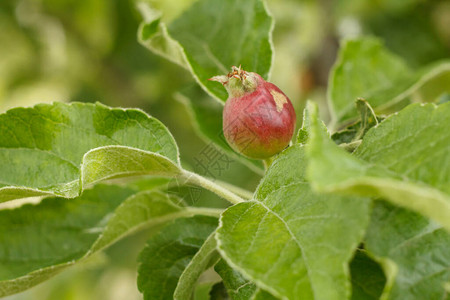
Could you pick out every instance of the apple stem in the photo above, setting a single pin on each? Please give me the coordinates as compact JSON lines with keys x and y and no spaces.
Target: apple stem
{"x":196,"y":179}
{"x":268,"y":162}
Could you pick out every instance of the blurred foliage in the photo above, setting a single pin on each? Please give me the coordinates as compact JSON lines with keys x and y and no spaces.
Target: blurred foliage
{"x":70,"y":50}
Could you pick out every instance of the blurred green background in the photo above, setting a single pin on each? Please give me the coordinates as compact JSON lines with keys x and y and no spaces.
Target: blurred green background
{"x":71,"y":50}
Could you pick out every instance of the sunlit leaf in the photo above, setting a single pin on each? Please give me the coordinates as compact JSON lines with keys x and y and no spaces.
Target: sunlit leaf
{"x":404,"y":160}
{"x":58,"y":149}
{"x":290,"y":241}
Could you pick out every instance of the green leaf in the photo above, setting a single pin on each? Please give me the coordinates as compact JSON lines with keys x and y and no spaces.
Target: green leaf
{"x":207,"y":51}
{"x":58,"y":149}
{"x":202,"y":291}
{"x":403,"y":160}
{"x":414,"y":251}
{"x":144,"y":183}
{"x":368,"y":279}
{"x":219,"y":292}
{"x":205,"y":256}
{"x":421,"y":128}
{"x":207,"y":117}
{"x":168,"y":253}
{"x":364,"y":68}
{"x":262,"y":295}
{"x":350,"y":137}
{"x":74,"y":230}
{"x":290,"y":241}
{"x":121,"y":161}
{"x":368,"y":117}
{"x":143,"y":209}
{"x":425,"y":85}
{"x":238,"y":287}
{"x":303,"y":133}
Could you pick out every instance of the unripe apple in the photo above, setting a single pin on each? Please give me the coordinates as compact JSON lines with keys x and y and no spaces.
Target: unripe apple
{"x":258,"y":118}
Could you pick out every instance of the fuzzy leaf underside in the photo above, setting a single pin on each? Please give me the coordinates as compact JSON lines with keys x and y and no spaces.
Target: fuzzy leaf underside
{"x":205,"y":256}
{"x":59,"y":149}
